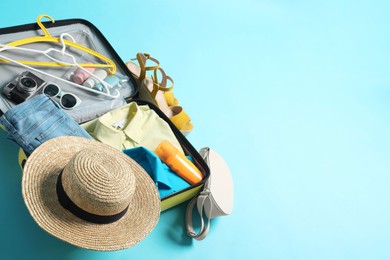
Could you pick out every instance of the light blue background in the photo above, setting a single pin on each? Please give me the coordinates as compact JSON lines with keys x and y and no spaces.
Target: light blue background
{"x":295,"y":96}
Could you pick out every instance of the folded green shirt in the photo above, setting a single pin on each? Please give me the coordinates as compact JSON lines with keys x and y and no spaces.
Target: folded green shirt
{"x":131,"y":126}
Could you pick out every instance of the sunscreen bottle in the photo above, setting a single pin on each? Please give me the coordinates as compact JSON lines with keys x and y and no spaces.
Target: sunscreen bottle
{"x":177,"y":161}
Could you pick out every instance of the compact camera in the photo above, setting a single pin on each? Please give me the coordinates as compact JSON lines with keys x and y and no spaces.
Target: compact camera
{"x":23,"y":87}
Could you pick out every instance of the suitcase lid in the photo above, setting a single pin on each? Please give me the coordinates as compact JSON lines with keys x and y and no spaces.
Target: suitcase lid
{"x":86,"y":34}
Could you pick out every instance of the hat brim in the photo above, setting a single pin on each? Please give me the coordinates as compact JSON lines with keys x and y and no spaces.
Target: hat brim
{"x":39,"y":193}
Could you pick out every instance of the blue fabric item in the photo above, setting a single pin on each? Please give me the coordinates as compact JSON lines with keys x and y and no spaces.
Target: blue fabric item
{"x":167,"y":181}
{"x":37,"y":120}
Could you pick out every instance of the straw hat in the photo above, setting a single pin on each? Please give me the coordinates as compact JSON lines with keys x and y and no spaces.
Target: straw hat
{"x":89,"y":194}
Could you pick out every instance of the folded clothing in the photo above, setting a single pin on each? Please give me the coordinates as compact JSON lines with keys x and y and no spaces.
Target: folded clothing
{"x":131,"y":126}
{"x":167,"y":181}
{"x":37,"y":120}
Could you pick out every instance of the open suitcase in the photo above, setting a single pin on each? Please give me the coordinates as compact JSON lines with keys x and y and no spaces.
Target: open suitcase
{"x":86,"y":34}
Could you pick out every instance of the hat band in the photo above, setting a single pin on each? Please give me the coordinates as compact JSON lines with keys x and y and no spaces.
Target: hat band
{"x":69,"y":205}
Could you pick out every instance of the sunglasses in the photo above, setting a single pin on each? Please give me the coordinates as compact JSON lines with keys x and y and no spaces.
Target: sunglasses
{"x":67,"y":100}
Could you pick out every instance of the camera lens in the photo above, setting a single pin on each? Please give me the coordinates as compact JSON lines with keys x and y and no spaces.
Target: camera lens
{"x":27,"y":84}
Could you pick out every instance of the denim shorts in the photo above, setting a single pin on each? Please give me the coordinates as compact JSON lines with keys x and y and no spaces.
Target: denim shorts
{"x":37,"y":120}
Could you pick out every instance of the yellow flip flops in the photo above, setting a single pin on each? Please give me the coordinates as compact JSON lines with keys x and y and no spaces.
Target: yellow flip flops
{"x":139,"y":71}
{"x":152,"y":90}
{"x":171,"y":99}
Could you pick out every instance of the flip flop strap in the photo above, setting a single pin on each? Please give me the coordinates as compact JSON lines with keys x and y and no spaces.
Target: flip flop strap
{"x":163,"y":84}
{"x":181,"y":118}
{"x":142,"y":59}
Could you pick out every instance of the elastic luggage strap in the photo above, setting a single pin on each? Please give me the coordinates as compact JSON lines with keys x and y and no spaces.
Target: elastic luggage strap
{"x":200,"y":202}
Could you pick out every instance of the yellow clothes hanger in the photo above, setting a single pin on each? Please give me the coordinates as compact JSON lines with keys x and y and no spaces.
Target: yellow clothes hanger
{"x":48,"y":38}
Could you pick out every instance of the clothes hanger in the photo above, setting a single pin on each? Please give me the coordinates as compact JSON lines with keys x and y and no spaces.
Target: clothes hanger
{"x":47,"y":52}
{"x":58,"y":78}
{"x":48,"y":38}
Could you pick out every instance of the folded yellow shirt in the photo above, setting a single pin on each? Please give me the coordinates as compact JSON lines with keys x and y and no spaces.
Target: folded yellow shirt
{"x":131,"y":126}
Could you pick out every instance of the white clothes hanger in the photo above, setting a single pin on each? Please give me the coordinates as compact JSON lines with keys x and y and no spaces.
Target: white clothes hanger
{"x":74,"y":64}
